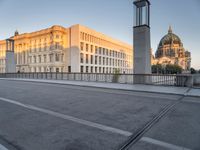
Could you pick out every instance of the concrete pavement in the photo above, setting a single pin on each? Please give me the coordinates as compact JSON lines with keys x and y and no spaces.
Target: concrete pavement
{"x":43,"y":116}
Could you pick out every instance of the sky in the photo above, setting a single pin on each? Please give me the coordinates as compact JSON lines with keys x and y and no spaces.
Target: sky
{"x":111,"y":17}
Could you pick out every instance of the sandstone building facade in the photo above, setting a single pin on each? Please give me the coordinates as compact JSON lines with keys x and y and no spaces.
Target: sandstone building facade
{"x":73,"y":49}
{"x":171,"y":51}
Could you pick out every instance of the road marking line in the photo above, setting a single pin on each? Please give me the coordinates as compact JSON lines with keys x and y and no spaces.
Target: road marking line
{"x":2,"y":147}
{"x":71,"y":118}
{"x":163,"y":144}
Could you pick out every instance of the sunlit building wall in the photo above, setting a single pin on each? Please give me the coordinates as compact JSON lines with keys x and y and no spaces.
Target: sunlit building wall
{"x":73,"y":49}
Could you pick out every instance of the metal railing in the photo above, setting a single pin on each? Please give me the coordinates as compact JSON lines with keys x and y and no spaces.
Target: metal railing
{"x":152,"y":79}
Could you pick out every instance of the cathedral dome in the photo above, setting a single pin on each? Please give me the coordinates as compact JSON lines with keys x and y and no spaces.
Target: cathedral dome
{"x":170,"y":38}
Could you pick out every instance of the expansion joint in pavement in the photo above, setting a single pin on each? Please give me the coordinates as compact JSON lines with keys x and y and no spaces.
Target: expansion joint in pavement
{"x":137,"y":136}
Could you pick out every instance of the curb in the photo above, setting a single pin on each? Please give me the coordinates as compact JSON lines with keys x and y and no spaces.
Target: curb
{"x":11,"y":79}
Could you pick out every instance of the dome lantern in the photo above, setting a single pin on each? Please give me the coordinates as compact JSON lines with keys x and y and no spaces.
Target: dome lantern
{"x":16,"y":33}
{"x":170,"y":29}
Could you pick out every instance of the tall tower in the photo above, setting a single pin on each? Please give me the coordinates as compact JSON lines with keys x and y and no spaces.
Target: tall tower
{"x":141,"y":35}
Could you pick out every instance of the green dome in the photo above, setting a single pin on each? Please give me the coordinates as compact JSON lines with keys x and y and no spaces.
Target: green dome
{"x":170,"y":38}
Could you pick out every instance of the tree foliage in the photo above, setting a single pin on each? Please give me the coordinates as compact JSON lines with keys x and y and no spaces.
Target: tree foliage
{"x":168,"y":69}
{"x":193,"y":71}
{"x":116,"y":76}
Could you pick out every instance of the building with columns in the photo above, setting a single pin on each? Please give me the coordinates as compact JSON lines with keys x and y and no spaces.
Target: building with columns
{"x":74,"y":49}
{"x":171,"y":51}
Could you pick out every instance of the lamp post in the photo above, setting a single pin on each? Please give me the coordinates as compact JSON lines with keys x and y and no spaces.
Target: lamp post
{"x":141,"y":40}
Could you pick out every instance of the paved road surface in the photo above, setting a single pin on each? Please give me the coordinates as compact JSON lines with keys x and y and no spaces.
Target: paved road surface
{"x":39,"y":116}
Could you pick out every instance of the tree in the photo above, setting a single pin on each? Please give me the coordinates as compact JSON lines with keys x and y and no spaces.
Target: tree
{"x":157,"y":68}
{"x":193,"y":71}
{"x":116,"y":76}
{"x":173,"y":69}
{"x":168,"y":69}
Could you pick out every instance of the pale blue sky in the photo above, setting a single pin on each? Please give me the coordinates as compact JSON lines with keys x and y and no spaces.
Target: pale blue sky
{"x":112,"y":17}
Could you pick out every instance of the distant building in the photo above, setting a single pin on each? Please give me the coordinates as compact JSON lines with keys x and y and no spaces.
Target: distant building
{"x":171,"y":51}
{"x":73,"y":49}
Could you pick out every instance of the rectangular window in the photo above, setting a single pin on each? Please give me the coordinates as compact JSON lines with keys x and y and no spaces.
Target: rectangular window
{"x":45,"y":58}
{"x":106,"y":61}
{"x":99,"y":69}
{"x":91,"y":59}
{"x":57,"y":45}
{"x":81,"y":57}
{"x":87,"y":59}
{"x":82,"y":46}
{"x":107,"y":52}
{"x":91,"y":48}
{"x":87,"y":69}
{"x":91,"y":69}
{"x":87,"y":47}
{"x":82,"y":69}
{"x":45,"y":47}
{"x":50,"y":57}
{"x":99,"y":60}
{"x":34,"y":59}
{"x":103,"y":60}
{"x":30,"y":59}
{"x":96,"y":49}
{"x":103,"y":51}
{"x":95,"y":60}
{"x":100,"y":50}
{"x":57,"y":57}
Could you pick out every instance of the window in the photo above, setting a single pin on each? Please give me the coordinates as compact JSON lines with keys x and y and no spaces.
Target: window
{"x":39,"y":47}
{"x":69,"y":69}
{"x":51,"y":57}
{"x":91,"y":70}
{"x":86,"y":47}
{"x":39,"y":58}
{"x":86,"y":58}
{"x":103,"y":60}
{"x":106,"y":61}
{"x":57,"y":57}
{"x":45,"y":47}
{"x":103,"y":51}
{"x":95,"y":69}
{"x":45,"y":58}
{"x":62,"y":57}
{"x":57,"y":45}
{"x":96,"y":49}
{"x":57,"y":69}
{"x":82,"y":69}
{"x":30,"y":59}
{"x":99,"y":60}
{"x":34,"y":59}
{"x":99,"y":50}
{"x":95,"y":60}
{"x":87,"y":68}
{"x":81,"y":57}
{"x":91,"y":59}
{"x":91,"y":48}
{"x":82,"y":46}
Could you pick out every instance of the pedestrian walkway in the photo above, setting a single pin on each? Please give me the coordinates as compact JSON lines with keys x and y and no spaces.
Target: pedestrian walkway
{"x":135,"y":87}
